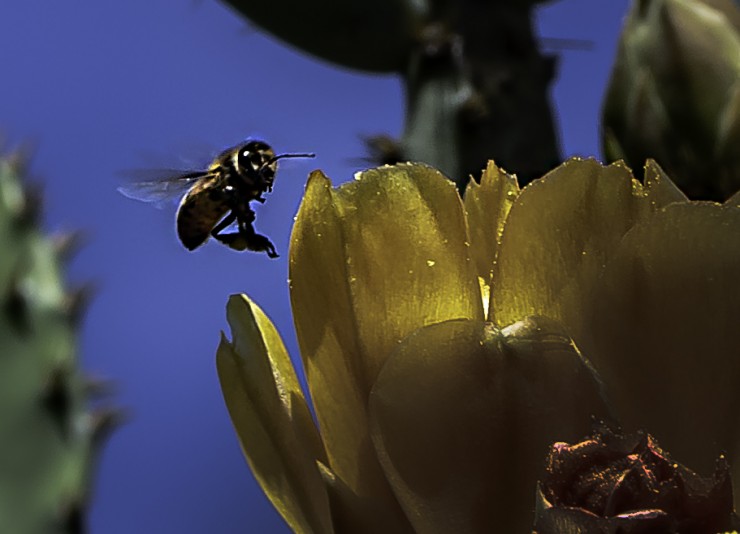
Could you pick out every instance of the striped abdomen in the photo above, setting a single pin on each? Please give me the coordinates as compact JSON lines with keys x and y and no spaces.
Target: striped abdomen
{"x":200,"y":210}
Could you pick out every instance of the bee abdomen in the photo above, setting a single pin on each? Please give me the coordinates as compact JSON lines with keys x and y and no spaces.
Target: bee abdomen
{"x":196,"y":217}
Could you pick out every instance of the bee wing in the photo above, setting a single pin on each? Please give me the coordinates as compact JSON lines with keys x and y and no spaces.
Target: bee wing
{"x":169,"y":187}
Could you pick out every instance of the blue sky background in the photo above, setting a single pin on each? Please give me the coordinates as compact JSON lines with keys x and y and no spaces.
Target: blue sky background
{"x":99,"y":87}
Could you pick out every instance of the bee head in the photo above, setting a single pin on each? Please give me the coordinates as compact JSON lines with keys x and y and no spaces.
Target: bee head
{"x":257,"y":158}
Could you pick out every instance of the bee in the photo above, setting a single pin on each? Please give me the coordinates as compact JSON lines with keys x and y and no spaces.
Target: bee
{"x":219,"y":197}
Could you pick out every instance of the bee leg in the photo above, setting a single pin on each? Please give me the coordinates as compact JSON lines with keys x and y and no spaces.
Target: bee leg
{"x":260,"y":199}
{"x":246,"y":238}
{"x":256,"y":242}
{"x":229,"y":219}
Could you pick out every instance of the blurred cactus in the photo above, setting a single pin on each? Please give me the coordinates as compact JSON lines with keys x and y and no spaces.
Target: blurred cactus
{"x":476,"y":83}
{"x":48,"y":439}
{"x":674,"y":94}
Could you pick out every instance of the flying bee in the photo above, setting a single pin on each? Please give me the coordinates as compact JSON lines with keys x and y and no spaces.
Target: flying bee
{"x":219,"y":197}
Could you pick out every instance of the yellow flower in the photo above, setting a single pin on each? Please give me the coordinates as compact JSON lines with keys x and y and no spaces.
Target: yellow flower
{"x":435,"y":410}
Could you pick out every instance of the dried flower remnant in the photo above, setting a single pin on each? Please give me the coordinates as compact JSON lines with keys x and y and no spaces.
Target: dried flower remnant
{"x":614,"y":482}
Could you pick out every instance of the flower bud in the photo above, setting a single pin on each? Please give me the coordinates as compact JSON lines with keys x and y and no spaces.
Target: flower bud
{"x":674,"y":94}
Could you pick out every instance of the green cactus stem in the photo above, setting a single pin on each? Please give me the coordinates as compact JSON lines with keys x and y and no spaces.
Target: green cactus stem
{"x":48,"y":438}
{"x":476,"y":83}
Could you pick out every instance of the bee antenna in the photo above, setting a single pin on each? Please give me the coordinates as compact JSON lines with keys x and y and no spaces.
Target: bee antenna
{"x":281,"y":156}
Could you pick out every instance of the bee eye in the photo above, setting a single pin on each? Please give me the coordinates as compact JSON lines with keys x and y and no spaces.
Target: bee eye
{"x":247,"y":159}
{"x":252,"y":159}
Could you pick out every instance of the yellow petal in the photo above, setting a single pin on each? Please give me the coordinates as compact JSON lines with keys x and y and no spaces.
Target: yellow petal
{"x":487,"y":206}
{"x":662,"y":329}
{"x":464,"y":413}
{"x":559,"y":233}
{"x":734,"y":200}
{"x":660,"y":190}
{"x":354,"y":514}
{"x":371,"y":262}
{"x":271,"y":417}
{"x":407,"y":255}
{"x":325,"y":326}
